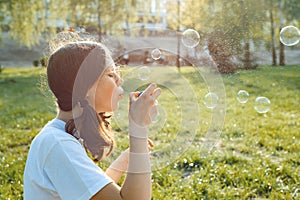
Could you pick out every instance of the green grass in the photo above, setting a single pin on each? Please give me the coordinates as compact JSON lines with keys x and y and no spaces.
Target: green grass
{"x":257,"y":155}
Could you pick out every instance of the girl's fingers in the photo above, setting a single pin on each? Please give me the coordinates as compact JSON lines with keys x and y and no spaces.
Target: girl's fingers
{"x":156,"y":93}
{"x":137,"y":94}
{"x":149,"y":90}
{"x":150,"y":143}
{"x":131,"y":97}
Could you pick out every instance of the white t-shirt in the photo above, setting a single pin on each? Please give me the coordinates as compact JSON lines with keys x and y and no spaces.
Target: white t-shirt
{"x":58,"y":167}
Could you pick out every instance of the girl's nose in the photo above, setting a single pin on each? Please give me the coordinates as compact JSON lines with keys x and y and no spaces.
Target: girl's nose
{"x":120,"y":81}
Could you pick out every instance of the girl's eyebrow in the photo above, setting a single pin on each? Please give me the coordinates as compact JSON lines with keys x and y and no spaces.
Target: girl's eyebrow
{"x":110,"y":69}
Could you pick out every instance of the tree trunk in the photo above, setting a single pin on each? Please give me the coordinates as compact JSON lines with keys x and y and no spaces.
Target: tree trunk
{"x":281,"y":56}
{"x":247,"y":61}
{"x":212,"y":7}
{"x":178,"y":37}
{"x":274,"y":62}
{"x":245,"y":28}
{"x":99,"y":22}
{"x":281,"y":52}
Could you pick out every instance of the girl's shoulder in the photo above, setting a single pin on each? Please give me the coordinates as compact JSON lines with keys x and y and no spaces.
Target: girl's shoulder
{"x":53,"y":129}
{"x":51,"y":134}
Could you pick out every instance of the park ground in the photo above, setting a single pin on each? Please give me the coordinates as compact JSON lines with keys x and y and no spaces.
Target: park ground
{"x":256,"y":157}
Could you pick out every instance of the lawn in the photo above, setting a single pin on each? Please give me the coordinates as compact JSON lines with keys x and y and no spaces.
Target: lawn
{"x":255,"y":156}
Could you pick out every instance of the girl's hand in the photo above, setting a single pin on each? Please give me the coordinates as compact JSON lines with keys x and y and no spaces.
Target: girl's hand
{"x":140,"y":107}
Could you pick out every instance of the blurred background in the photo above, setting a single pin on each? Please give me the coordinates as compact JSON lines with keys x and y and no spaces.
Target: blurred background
{"x":246,"y":31}
{"x":254,"y":44}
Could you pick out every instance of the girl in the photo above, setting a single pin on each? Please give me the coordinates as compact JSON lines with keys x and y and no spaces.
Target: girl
{"x":87,"y":85}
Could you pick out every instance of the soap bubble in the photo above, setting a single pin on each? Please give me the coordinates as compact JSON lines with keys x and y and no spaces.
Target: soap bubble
{"x":190,"y":38}
{"x":156,"y":54}
{"x":211,"y":100}
{"x":242,"y":96}
{"x":144,"y":73}
{"x":290,"y":35}
{"x":160,"y":116}
{"x":262,"y":104}
{"x":180,"y":118}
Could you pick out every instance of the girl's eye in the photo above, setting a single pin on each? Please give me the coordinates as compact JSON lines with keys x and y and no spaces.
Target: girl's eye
{"x":111,"y":75}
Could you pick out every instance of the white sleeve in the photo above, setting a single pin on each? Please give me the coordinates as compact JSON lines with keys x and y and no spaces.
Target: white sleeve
{"x":72,"y":173}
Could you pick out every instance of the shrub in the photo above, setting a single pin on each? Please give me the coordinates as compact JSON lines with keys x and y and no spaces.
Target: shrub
{"x":220,"y":48}
{"x":44,"y":61}
{"x":35,"y":63}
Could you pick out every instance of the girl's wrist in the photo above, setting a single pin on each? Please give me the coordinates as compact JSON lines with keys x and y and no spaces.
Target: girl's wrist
{"x":139,"y":163}
{"x":138,"y":145}
{"x":137,"y":131}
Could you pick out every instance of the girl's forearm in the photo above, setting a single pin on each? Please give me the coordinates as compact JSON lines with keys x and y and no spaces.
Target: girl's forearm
{"x":137,"y":184}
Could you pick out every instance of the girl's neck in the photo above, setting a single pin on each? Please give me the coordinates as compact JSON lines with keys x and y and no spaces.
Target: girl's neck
{"x":64,"y":115}
{"x":67,"y":115}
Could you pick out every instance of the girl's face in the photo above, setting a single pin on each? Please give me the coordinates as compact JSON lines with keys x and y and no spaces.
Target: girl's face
{"x":107,"y":91}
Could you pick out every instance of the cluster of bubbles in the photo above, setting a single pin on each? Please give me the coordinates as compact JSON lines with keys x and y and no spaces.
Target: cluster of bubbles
{"x":290,"y":35}
{"x":262,"y":104}
{"x":211,"y":99}
{"x":190,"y":38}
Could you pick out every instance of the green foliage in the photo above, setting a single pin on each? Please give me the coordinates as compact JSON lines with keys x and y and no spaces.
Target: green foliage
{"x":28,"y":21}
{"x":257,"y":156}
{"x":35,"y":63}
{"x":44,"y":61}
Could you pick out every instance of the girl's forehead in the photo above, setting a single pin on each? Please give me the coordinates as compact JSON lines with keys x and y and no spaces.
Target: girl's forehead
{"x":109,"y":61}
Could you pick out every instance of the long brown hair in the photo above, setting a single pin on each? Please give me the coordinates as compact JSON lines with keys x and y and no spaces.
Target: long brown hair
{"x":72,"y":70}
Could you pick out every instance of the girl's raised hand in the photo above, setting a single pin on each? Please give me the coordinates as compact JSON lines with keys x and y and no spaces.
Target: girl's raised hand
{"x":140,"y":106}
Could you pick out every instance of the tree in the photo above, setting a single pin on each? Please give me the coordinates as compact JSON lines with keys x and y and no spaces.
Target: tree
{"x":281,"y":56}
{"x":3,"y":14}
{"x":272,"y":10}
{"x":238,"y":21}
{"x":289,"y":13}
{"x":30,"y":20}
{"x":102,"y":15}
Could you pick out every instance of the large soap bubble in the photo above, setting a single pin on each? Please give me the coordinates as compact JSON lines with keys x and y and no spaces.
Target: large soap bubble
{"x":181,"y":110}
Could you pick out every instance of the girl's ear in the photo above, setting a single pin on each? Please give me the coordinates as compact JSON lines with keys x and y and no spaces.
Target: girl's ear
{"x":90,"y":95}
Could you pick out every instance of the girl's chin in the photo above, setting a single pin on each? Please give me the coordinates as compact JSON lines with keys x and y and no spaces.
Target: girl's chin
{"x":115,"y":107}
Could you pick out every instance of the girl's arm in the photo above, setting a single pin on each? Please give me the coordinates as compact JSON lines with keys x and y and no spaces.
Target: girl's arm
{"x":118,"y":167}
{"x":137,"y":184}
